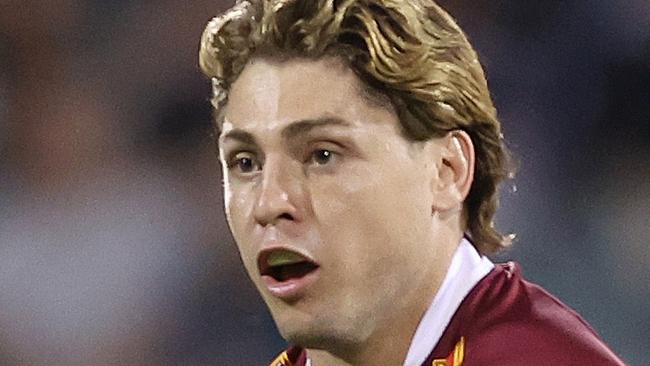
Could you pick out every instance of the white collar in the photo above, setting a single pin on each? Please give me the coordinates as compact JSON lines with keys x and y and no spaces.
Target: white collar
{"x":467,"y":268}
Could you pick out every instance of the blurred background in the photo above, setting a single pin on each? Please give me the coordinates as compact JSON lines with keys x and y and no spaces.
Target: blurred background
{"x":113,"y":245}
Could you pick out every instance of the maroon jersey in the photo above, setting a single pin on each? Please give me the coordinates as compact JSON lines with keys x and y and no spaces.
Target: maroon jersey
{"x":508,"y":321}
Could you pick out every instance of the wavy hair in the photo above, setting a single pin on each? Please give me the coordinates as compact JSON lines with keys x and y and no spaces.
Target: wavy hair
{"x":412,"y":52}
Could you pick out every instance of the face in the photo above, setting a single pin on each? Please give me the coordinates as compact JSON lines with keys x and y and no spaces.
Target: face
{"x":330,"y":206}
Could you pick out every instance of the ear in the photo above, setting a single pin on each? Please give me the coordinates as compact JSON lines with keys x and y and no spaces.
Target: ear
{"x":455,"y":173}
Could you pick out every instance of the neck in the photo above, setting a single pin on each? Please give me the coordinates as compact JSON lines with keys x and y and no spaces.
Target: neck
{"x":389,"y":344}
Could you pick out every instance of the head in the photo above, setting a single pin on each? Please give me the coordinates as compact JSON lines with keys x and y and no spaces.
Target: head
{"x":359,"y":141}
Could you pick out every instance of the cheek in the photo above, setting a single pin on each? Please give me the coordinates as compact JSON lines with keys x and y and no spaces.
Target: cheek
{"x":373,"y":218}
{"x":237,"y":199}
{"x":238,"y":208}
{"x":227,"y":196}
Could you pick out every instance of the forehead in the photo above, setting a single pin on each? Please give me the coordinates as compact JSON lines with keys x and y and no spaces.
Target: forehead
{"x":271,"y":93}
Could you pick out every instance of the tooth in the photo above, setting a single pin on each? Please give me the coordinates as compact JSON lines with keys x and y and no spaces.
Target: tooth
{"x":283,"y":258}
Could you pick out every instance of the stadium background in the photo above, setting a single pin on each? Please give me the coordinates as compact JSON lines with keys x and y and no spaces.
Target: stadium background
{"x":113,"y":244}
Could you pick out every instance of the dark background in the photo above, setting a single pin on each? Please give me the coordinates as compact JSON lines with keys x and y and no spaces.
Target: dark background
{"x":113,"y":245}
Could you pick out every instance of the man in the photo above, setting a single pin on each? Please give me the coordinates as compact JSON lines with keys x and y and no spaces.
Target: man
{"x":361,"y":157}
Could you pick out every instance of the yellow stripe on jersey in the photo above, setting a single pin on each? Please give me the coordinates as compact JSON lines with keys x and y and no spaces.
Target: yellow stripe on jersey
{"x":459,"y":352}
{"x":281,"y":360}
{"x":455,"y":358}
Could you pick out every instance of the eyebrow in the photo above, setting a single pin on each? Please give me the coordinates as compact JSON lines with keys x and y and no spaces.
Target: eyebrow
{"x":293,"y":130}
{"x":305,"y":126}
{"x":241,"y":136}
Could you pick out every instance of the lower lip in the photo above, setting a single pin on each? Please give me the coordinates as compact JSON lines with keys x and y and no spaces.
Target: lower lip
{"x":291,"y":289}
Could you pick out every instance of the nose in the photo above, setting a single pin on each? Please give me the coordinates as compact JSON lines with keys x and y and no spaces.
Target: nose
{"x":277,"y":196}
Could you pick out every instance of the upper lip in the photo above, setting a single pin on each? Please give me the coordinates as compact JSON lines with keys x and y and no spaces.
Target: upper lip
{"x":263,"y":257}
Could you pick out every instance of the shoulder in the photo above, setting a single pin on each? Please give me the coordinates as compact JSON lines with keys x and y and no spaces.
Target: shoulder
{"x":507,"y":320}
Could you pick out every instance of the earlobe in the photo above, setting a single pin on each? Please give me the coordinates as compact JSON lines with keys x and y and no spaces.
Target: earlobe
{"x":455,"y":172}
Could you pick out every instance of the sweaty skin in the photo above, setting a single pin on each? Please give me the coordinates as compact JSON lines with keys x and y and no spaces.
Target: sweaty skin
{"x":314,"y":166}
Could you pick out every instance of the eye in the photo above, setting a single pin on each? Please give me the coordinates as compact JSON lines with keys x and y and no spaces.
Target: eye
{"x":244,"y":162}
{"x":245,"y":165}
{"x":322,"y":156}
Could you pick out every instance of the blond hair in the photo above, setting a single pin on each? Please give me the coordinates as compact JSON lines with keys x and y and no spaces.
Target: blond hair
{"x":412,"y":52}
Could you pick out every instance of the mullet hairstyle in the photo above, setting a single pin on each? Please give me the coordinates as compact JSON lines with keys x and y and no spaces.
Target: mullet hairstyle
{"x":412,"y":52}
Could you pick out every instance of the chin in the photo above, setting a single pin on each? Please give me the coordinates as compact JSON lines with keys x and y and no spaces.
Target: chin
{"x":323,"y":335}
{"x":323,"y":340}
{"x":307,"y":339}
{"x":303,"y":332}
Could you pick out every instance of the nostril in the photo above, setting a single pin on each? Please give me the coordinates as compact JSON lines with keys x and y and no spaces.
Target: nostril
{"x":286,"y":216}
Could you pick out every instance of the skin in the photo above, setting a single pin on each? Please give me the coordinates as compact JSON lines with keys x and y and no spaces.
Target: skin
{"x":312,"y":164}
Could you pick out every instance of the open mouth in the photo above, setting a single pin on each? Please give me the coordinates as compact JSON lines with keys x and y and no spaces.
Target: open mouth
{"x":284,"y":265}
